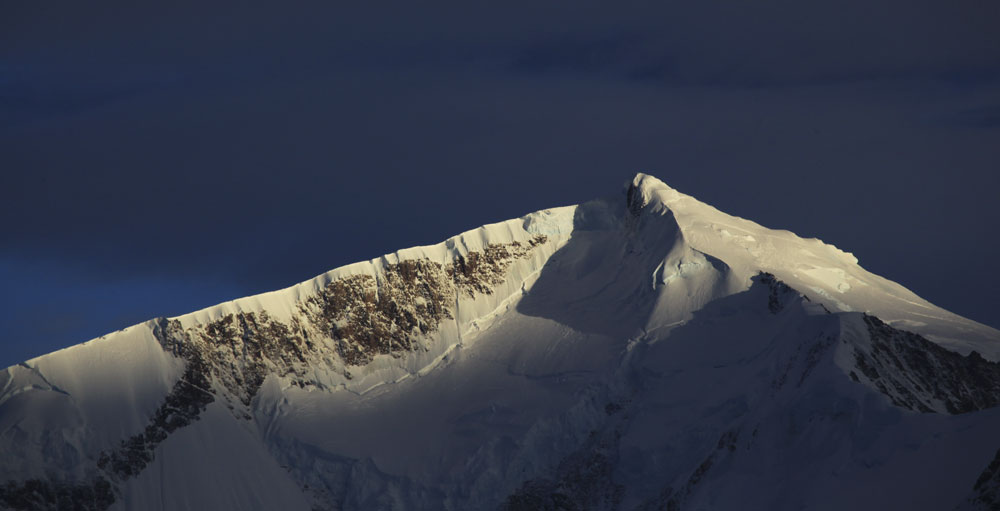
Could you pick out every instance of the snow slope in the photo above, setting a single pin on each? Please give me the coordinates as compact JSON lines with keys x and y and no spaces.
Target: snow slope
{"x":644,"y":351}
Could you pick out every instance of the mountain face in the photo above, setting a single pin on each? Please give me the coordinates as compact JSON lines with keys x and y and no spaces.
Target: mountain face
{"x":641,"y":352}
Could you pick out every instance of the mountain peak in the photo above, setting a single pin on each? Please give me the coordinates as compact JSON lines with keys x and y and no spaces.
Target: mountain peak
{"x":645,"y":189}
{"x":647,"y":181}
{"x":528,"y":364}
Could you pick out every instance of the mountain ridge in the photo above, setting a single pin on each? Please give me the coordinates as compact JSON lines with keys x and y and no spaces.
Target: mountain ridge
{"x":535,"y":358}
{"x":645,"y":187}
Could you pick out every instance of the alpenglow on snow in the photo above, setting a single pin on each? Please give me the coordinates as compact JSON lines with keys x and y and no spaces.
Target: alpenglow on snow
{"x":640,"y":352}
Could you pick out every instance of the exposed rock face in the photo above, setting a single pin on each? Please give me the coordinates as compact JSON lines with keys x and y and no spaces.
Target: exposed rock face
{"x":671,"y":499}
{"x":37,"y":494}
{"x":639,"y":372}
{"x":807,"y":355}
{"x":366,"y":318}
{"x":239,"y":350}
{"x":986,"y":491}
{"x":352,"y":319}
{"x":182,"y":406}
{"x":585,"y":483}
{"x":913,"y":372}
{"x":634,"y":201}
{"x":779,"y":293}
{"x":919,"y":375}
{"x":583,"y":480}
{"x":412,"y":298}
{"x":480,"y":272}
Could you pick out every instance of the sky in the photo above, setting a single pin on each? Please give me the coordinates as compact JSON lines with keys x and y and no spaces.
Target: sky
{"x":158,"y":159}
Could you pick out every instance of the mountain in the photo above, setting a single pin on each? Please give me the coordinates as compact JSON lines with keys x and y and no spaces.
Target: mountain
{"x":640,"y":352}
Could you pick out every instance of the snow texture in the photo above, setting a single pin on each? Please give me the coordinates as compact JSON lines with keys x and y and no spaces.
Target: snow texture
{"x":639,"y":352}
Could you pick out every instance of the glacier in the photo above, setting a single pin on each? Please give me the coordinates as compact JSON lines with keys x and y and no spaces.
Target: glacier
{"x":641,"y":351}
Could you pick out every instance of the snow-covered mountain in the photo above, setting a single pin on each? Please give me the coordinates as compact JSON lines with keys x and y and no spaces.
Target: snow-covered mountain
{"x":641,"y":352}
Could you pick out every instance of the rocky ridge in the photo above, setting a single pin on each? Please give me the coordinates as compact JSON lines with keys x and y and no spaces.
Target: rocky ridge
{"x":919,"y":375}
{"x":348,"y":323}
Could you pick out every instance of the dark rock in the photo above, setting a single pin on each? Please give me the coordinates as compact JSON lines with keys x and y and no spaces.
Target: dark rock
{"x":779,"y":293}
{"x":920,"y":375}
{"x":37,"y":494}
{"x":986,"y":491}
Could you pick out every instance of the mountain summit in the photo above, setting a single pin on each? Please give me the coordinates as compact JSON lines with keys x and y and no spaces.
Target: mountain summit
{"x":640,"y":352}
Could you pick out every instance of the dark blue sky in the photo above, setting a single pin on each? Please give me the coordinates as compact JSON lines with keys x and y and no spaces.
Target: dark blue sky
{"x":159,"y":159}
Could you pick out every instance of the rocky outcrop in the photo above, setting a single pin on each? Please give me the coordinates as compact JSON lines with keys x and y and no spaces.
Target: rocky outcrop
{"x":239,"y":350}
{"x":348,"y":323}
{"x":366,"y":317}
{"x":800,"y":365}
{"x":38,"y":495}
{"x":583,"y":480}
{"x":671,"y":499}
{"x":919,"y":375}
{"x":779,"y":293}
{"x":182,"y":406}
{"x":480,"y":272}
{"x":634,"y":200}
{"x":986,"y":492}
